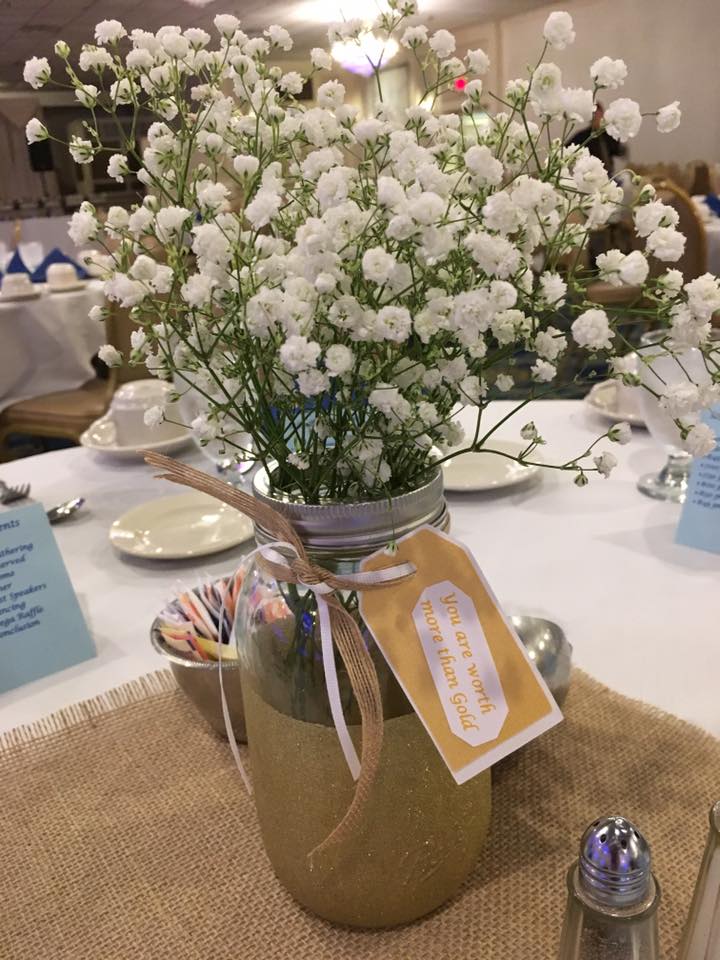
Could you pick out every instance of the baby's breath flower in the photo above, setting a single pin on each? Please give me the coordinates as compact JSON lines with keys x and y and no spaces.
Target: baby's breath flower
{"x":336,"y":285}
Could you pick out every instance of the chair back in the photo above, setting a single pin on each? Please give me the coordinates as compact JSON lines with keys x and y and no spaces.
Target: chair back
{"x":682,"y":175}
{"x":702,"y":183}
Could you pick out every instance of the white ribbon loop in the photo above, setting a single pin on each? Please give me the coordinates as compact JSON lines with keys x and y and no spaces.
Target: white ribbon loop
{"x":271,"y":553}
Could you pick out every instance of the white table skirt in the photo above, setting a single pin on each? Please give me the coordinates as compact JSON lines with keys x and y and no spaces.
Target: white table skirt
{"x":640,"y":611}
{"x":712,"y":233}
{"x":46,"y":344}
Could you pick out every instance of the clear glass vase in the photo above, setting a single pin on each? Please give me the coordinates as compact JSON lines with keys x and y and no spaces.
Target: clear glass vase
{"x":660,"y":370}
{"x":421,"y":833}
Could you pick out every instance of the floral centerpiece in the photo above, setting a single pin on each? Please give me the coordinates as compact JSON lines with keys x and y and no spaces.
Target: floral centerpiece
{"x":335,"y":288}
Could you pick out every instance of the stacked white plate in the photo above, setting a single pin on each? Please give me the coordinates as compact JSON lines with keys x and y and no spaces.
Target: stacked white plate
{"x":100,"y":436}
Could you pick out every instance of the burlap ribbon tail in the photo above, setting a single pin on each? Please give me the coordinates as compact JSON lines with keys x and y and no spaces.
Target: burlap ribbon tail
{"x":287,"y":560}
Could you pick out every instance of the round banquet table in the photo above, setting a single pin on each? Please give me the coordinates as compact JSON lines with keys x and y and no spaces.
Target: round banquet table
{"x":640,"y":611}
{"x":47,"y":342}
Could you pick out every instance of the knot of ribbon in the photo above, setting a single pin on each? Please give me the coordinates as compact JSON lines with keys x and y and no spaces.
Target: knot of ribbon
{"x":286,"y":559}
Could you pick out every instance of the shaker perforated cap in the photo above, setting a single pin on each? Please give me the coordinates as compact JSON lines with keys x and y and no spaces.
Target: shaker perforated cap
{"x":615,"y":863}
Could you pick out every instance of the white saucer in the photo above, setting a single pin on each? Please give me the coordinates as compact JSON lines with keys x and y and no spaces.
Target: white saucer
{"x":603,"y":398}
{"x":485,"y":471}
{"x":68,"y":287}
{"x":12,"y":298}
{"x":173,"y":528}
{"x":100,"y":436}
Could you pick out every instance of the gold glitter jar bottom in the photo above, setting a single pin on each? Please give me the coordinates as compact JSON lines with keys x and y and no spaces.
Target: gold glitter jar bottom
{"x":420,"y":837}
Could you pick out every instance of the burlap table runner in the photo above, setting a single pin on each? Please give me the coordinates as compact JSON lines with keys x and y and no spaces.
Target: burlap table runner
{"x":126,"y":834}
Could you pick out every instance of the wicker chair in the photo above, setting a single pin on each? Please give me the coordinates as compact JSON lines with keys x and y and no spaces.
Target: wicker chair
{"x":682,"y":175}
{"x":66,"y":414}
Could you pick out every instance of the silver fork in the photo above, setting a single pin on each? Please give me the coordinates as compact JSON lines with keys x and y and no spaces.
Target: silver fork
{"x":11,"y":494}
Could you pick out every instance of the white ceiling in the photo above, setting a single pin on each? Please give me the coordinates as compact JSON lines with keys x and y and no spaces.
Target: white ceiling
{"x":31,"y":27}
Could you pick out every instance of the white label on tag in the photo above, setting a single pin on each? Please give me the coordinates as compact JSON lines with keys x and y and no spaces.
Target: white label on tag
{"x":460,"y":662}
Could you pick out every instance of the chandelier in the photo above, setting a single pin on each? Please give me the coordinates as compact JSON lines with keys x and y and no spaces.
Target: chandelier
{"x":364,"y":54}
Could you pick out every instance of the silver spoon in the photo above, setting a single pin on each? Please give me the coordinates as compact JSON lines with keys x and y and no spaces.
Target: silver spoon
{"x":65,"y":510}
{"x":233,"y":472}
{"x":550,"y":651}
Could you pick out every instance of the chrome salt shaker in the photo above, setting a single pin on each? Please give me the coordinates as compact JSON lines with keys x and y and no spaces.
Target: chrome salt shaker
{"x":613,"y":896}
{"x":701,"y":939}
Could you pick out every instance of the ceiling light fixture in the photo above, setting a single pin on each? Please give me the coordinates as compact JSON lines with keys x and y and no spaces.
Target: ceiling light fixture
{"x":364,"y":54}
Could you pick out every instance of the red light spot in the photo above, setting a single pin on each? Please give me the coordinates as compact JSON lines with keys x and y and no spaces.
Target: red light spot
{"x":460,"y":83}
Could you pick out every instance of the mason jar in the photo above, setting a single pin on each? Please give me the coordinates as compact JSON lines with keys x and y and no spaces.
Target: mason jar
{"x":420,"y":833}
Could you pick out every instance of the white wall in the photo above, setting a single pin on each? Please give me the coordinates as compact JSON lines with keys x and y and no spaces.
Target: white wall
{"x":672,"y":50}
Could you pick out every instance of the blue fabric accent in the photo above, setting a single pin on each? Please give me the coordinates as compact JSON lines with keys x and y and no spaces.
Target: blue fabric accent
{"x":713,"y":201}
{"x":17,"y":264}
{"x":56,"y":256}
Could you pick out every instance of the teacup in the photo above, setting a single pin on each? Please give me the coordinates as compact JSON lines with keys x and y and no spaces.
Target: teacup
{"x":628,"y":398}
{"x":127,"y":411}
{"x":96,"y":263}
{"x":16,"y":285}
{"x":61,"y":275}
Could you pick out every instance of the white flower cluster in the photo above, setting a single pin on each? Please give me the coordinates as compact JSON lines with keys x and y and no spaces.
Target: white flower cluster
{"x":336,"y":286}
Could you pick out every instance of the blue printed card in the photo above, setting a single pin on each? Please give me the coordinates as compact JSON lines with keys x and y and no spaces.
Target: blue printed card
{"x":42,"y":629}
{"x":700,"y":518}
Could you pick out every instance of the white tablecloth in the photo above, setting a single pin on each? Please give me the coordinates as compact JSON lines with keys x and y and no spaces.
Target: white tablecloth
{"x":712,"y":232}
{"x":46,"y":344}
{"x":640,"y":611}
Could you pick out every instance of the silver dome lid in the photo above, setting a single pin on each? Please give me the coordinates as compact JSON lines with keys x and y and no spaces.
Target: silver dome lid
{"x":615,"y":864}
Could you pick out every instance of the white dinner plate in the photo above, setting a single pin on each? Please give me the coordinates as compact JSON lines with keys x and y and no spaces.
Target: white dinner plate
{"x":100,"y":437}
{"x":488,"y":471}
{"x":604,"y":399}
{"x":173,"y":528}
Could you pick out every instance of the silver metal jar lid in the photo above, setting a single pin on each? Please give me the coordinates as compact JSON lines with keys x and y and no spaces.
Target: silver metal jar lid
{"x":354,"y":530}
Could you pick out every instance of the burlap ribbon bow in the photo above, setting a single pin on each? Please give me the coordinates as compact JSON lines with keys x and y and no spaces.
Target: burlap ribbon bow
{"x":340,"y":628}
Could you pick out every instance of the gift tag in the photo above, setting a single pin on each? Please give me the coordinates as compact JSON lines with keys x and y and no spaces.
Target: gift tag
{"x":699,"y":524}
{"x":460,"y":663}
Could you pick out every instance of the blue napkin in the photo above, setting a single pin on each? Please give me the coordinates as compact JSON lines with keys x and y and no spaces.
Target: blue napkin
{"x":56,"y":256}
{"x":713,"y":201}
{"x":17,"y":264}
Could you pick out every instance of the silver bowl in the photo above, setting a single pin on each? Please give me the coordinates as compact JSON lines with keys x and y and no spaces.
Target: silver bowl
{"x":549,"y":649}
{"x":200,"y":682}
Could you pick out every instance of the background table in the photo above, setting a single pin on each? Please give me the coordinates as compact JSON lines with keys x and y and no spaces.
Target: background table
{"x":47,"y":343}
{"x":49,"y":231}
{"x":640,"y":611}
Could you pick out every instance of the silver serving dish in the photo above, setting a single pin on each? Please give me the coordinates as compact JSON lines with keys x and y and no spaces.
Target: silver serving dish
{"x":549,"y":649}
{"x":199,"y":680}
